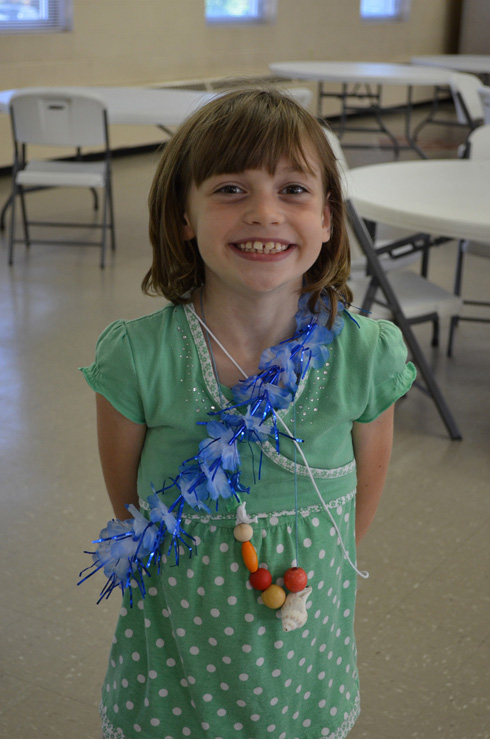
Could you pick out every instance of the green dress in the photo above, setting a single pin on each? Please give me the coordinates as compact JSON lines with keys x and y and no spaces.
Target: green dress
{"x":201,"y":655}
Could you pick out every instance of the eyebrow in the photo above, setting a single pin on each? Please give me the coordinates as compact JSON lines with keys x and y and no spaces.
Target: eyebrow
{"x":301,"y":170}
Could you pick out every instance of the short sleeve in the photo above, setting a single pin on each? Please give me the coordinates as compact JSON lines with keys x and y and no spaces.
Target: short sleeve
{"x":113,"y":374}
{"x":391,"y":375}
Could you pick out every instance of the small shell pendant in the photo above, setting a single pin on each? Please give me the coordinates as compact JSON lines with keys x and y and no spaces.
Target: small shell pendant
{"x":293,"y":612}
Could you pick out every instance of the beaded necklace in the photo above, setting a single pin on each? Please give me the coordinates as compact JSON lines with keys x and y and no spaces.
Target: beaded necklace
{"x":293,"y":606}
{"x":126,"y":549}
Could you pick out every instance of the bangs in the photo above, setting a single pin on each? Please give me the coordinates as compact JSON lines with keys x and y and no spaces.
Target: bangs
{"x":251,"y":134}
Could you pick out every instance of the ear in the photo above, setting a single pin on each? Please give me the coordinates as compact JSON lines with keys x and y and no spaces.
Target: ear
{"x":187,"y":230}
{"x":326,"y":221}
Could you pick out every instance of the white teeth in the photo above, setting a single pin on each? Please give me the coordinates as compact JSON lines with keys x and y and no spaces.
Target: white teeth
{"x":260,"y":247}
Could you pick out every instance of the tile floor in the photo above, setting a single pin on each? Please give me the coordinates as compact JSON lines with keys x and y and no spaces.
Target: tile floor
{"x":423,"y":621}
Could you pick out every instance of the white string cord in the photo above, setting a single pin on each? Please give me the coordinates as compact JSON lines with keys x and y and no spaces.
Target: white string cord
{"x":218,"y":342}
{"x":361,"y":573}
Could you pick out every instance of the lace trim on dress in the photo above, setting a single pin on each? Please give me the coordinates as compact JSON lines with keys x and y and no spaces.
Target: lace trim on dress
{"x":110,"y":732}
{"x":347,"y":725}
{"x":303,"y":512}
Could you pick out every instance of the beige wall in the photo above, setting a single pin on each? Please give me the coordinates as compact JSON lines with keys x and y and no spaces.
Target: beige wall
{"x":148,"y":41}
{"x":475,"y":27}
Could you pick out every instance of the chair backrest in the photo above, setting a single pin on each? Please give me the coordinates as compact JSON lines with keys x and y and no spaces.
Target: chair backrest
{"x":484,"y":93}
{"x":478,"y":144}
{"x":58,"y":117}
{"x":336,"y":147}
{"x":358,"y":260}
{"x":338,"y":152}
{"x":464,"y":89}
{"x":302,"y":95}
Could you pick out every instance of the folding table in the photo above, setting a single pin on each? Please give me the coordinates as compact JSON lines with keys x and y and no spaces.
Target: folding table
{"x":478,"y":64}
{"x":438,"y":197}
{"x":364,"y":75}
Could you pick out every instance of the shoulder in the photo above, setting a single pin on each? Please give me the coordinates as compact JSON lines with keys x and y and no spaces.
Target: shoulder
{"x":375,"y":360}
{"x":135,"y":344}
{"x":370,"y":338}
{"x":130,"y":355}
{"x":150,"y":322}
{"x":143,"y":329}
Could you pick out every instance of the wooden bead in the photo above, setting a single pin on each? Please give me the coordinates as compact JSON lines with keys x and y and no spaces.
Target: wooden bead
{"x":250,"y":556}
{"x":243,"y":532}
{"x":274,"y":596}
{"x":261,"y":579}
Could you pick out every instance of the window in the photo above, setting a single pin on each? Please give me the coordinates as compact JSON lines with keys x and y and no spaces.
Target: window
{"x":35,"y":16}
{"x":239,"y":11}
{"x":394,"y":10}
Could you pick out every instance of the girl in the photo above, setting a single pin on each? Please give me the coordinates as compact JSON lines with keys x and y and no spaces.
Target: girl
{"x":248,"y":428}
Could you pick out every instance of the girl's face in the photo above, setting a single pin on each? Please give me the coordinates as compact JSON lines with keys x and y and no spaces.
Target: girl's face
{"x":258,"y":232}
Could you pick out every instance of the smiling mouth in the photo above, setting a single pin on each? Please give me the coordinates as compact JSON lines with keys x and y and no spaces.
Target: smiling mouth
{"x":261,"y":247}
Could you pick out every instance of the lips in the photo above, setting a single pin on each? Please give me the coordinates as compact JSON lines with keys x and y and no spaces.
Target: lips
{"x":262,"y":247}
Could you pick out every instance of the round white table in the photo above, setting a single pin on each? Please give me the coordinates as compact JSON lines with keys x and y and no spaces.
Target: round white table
{"x":440,"y":198}
{"x":478,"y":64}
{"x":365,"y":74}
{"x":369,"y":72}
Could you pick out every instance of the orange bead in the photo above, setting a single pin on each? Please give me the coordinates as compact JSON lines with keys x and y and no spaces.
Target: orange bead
{"x":273,"y":597}
{"x":250,"y":556}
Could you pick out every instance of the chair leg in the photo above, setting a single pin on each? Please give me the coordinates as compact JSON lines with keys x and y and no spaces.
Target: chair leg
{"x":452,"y":329}
{"x":105,"y":227}
{"x":96,"y":198}
{"x":458,"y":276}
{"x":25,"y":222}
{"x":111,"y":215}
{"x":435,"y":332}
{"x":12,"y":225}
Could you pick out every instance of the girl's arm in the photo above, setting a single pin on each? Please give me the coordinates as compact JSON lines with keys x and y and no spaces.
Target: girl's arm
{"x":120,"y":445}
{"x":372,"y":449}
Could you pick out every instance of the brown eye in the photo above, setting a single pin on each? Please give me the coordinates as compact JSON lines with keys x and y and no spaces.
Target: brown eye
{"x":294,"y":190}
{"x":230,"y":190}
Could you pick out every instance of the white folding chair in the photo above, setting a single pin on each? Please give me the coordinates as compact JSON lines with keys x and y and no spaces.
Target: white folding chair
{"x":420,"y":300}
{"x":467,"y":102}
{"x":400,"y":295}
{"x":477,"y":147}
{"x":405,"y":298}
{"x":302,"y":95}
{"x":484,"y":93}
{"x":60,"y":118}
{"x":399,"y":255}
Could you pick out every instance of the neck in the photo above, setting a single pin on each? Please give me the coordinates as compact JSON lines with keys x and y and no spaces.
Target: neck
{"x":245,"y":327}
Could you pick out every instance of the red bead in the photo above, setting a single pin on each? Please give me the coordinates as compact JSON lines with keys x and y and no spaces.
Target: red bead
{"x":295,"y":579}
{"x":260,"y":579}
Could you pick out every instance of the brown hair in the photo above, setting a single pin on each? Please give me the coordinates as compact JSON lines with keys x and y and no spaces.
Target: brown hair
{"x":242,"y":129}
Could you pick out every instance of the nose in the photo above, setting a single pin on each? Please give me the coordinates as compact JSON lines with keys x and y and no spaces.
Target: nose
{"x":264,"y":209}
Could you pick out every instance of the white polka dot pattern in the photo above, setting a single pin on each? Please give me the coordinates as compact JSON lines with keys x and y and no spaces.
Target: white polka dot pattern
{"x":156,"y":370}
{"x":212,"y":652}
